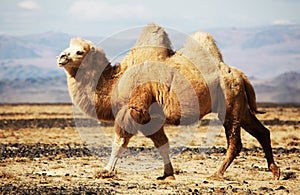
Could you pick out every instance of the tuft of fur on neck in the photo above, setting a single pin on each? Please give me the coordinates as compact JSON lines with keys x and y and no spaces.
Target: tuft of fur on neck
{"x":90,"y":88}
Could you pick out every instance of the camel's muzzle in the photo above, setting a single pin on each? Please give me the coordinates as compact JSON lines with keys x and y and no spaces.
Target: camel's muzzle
{"x":63,"y":59}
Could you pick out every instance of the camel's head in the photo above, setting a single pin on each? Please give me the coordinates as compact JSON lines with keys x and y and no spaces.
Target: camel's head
{"x":80,"y":55}
{"x":74,"y":55}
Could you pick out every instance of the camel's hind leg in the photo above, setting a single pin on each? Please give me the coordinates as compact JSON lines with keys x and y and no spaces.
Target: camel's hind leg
{"x":233,"y":135}
{"x":161,"y":142}
{"x":253,"y":126}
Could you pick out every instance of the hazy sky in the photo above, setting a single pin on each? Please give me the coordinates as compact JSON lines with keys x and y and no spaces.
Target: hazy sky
{"x":103,"y":17}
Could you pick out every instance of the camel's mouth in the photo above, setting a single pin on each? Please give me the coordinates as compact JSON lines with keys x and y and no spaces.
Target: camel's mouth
{"x":62,"y":60}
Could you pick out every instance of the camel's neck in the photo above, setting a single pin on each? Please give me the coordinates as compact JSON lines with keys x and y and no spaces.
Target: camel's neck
{"x":91,"y":90}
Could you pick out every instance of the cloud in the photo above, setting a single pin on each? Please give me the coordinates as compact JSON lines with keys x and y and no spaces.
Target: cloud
{"x":281,"y":22}
{"x":104,"y":11}
{"x":29,"y":5}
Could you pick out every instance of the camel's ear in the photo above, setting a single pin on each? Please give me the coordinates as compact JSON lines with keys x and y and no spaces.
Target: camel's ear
{"x":92,"y":48}
{"x":76,"y":41}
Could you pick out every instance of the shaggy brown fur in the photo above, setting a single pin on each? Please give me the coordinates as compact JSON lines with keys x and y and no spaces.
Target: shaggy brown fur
{"x":153,"y":86}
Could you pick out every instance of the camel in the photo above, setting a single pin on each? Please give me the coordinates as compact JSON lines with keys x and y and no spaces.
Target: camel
{"x":154,"y":86}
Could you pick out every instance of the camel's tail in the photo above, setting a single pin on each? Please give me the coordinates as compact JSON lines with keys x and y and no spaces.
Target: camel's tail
{"x":251,"y":97}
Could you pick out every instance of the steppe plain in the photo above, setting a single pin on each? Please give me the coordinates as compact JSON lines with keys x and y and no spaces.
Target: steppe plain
{"x":51,"y":148}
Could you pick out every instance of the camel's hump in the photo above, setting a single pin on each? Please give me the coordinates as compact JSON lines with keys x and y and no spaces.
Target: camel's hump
{"x":154,"y":35}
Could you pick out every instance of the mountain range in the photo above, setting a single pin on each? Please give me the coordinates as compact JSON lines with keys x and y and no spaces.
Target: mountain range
{"x":269,"y":55}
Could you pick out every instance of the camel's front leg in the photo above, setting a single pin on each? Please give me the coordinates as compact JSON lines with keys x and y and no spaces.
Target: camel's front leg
{"x":119,"y":145}
{"x":161,"y":142}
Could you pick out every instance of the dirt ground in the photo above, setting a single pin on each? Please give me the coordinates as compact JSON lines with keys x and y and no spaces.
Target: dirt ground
{"x":54,"y":149}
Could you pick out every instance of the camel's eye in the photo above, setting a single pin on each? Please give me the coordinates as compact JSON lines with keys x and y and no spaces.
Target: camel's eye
{"x":79,"y":53}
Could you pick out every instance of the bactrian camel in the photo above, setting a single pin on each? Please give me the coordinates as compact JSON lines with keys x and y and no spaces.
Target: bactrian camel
{"x":155,"y":85}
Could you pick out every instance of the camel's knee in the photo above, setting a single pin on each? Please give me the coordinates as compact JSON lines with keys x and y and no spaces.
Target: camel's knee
{"x":120,"y":144}
{"x":121,"y":140}
{"x":159,"y":138}
{"x":234,"y":141}
{"x":235,"y":148}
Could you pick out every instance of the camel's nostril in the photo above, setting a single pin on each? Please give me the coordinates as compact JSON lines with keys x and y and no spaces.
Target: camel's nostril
{"x":64,"y":55}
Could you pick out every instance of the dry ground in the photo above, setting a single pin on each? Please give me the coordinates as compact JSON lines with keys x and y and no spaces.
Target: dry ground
{"x":44,"y":150}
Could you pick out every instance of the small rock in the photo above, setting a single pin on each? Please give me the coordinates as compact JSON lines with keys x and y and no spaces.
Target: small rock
{"x":113,"y":184}
{"x":210,"y":189}
{"x":235,"y":190}
{"x":289,"y":175}
{"x":131,"y":187}
{"x":264,"y":188}
{"x":281,"y":188}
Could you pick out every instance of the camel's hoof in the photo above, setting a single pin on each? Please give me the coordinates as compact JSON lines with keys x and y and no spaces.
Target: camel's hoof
{"x":166,"y":177}
{"x":275,"y":170}
{"x":102,"y":174}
